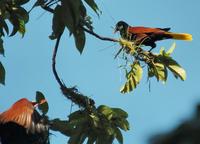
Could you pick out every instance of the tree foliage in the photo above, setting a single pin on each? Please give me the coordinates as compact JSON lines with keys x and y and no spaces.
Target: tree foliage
{"x":90,"y":124}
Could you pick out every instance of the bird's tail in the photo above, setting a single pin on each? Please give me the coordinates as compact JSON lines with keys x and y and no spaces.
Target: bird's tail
{"x":180,"y":36}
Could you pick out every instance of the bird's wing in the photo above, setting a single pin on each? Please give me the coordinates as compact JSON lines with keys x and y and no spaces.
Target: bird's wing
{"x":19,"y":113}
{"x":139,"y":30}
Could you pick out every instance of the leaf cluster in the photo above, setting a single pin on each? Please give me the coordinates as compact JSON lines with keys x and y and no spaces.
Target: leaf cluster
{"x":158,"y":65}
{"x":101,"y":126}
{"x":72,"y":14}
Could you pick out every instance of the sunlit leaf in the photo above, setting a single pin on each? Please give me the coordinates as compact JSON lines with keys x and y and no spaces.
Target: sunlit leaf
{"x":177,"y":70}
{"x":160,"y":72}
{"x":22,"y":28}
{"x":43,"y":107}
{"x":170,"y":51}
{"x":120,"y":113}
{"x":2,"y":74}
{"x":133,"y":78}
{"x":105,"y":110}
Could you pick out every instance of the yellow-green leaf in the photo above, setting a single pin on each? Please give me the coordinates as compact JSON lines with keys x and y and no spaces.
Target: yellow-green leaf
{"x":178,"y":71}
{"x":170,"y":51}
{"x":160,"y":72}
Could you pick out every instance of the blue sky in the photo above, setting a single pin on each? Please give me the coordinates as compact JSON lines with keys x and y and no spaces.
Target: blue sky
{"x":28,"y":66}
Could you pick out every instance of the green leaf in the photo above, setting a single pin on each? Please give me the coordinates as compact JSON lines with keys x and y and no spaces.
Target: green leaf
{"x":170,"y":51}
{"x":42,"y":107}
{"x":91,"y":139}
{"x":76,"y":115}
{"x":2,"y":74}
{"x":58,"y":25}
{"x":133,"y":78}
{"x":93,"y":5}
{"x":67,"y":16}
{"x":120,"y":113}
{"x":106,"y":111}
{"x":1,"y":47}
{"x":118,"y":135}
{"x":62,"y":126}
{"x":122,"y":124}
{"x":79,"y":135}
{"x":80,"y":39}
{"x":177,"y":70}
{"x":137,"y":69}
{"x":75,"y":9}
{"x":16,"y":24}
{"x":20,"y":2}
{"x":22,"y":28}
{"x":78,"y":118}
{"x":3,"y":24}
{"x":160,"y":72}
{"x":22,"y":14}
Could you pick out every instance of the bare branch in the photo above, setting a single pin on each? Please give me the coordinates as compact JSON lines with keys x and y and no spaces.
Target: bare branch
{"x":98,"y":36}
{"x":71,"y":93}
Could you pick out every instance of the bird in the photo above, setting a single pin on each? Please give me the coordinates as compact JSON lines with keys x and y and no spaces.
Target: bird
{"x":148,"y":36}
{"x":22,"y":124}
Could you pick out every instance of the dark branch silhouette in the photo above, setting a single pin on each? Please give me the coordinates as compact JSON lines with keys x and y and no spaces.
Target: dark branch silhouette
{"x":70,"y":93}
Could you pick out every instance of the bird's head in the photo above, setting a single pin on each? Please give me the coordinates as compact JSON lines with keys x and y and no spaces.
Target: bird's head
{"x":121,"y":26}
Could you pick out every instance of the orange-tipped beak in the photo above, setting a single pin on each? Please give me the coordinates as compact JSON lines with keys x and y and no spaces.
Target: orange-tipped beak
{"x":35,"y":104}
{"x":42,"y":101}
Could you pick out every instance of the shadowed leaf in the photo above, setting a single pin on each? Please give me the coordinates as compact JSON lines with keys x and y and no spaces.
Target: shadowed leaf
{"x":2,"y":74}
{"x":1,"y":47}
{"x":93,"y":5}
{"x":80,"y":39}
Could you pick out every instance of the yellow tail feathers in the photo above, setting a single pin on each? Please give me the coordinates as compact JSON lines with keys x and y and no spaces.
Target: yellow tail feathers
{"x":180,"y":36}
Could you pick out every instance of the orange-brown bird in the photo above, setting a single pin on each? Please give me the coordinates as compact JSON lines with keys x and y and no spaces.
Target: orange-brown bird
{"x":148,"y":36}
{"x":22,"y":124}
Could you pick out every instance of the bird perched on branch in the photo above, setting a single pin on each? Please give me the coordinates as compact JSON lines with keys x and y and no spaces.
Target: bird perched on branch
{"x":148,"y":36}
{"x":22,"y":124}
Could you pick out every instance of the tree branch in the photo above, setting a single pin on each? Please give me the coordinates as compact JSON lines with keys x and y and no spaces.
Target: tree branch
{"x":54,"y":61}
{"x":98,"y":36}
{"x":70,"y":93}
{"x":46,"y":8}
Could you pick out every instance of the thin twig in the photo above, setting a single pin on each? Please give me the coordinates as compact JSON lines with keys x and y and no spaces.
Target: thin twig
{"x":98,"y":36}
{"x":45,"y":7}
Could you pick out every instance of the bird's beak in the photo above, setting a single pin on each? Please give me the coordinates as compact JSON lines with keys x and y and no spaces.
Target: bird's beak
{"x":42,"y":101}
{"x":115,"y":30}
{"x":35,"y":104}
